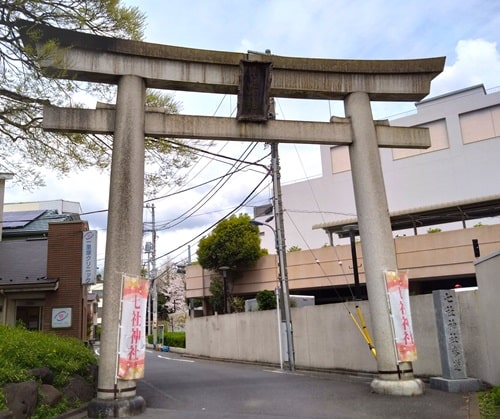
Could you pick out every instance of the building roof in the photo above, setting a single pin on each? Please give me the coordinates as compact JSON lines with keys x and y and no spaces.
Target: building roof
{"x":26,"y":285}
{"x":17,"y":219}
{"x":458,"y":211}
{"x":32,"y":222}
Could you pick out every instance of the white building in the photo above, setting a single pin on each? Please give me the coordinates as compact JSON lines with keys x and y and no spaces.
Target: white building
{"x":62,"y":206}
{"x":461,"y":165}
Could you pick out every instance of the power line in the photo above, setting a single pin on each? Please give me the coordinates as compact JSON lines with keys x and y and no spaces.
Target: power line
{"x":203,"y":201}
{"x":190,"y":188}
{"x":218,"y":221}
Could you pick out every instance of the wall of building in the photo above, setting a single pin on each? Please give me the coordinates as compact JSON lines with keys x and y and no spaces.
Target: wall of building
{"x":64,"y":262}
{"x":325,"y":337}
{"x":60,"y":205}
{"x":461,"y":164}
{"x":444,"y":254}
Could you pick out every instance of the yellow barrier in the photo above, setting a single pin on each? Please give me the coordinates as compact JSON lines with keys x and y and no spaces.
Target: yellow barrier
{"x":364,"y":330}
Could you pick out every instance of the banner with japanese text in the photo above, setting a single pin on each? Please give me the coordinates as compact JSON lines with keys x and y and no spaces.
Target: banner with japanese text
{"x":132,"y":343}
{"x":89,"y":257}
{"x":399,"y":304}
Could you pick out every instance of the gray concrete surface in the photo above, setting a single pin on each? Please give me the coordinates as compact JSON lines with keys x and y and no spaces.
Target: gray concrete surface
{"x":176,"y":386}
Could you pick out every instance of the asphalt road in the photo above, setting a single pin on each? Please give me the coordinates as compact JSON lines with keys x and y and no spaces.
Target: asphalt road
{"x":179,"y":387}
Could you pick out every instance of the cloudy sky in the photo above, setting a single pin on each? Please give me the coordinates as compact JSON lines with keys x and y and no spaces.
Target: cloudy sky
{"x":466,"y":32}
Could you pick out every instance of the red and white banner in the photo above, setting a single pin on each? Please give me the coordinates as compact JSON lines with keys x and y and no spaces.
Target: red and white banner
{"x":399,"y":304}
{"x":132,"y":343}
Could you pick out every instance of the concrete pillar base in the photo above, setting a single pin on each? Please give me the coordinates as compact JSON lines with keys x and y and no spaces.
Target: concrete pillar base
{"x":119,"y":408}
{"x":413,"y":387}
{"x":462,"y":385}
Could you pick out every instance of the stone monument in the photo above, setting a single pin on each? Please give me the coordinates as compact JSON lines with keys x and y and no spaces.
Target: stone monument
{"x":453,"y":365}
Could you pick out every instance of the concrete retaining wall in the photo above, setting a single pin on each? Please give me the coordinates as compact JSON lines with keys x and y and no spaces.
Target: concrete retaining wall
{"x":325,"y":337}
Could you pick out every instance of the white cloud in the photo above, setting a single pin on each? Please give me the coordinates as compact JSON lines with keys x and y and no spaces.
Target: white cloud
{"x":477,"y":62}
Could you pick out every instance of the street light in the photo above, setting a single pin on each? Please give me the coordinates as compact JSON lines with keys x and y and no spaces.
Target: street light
{"x":352,"y":229}
{"x":284,"y":294}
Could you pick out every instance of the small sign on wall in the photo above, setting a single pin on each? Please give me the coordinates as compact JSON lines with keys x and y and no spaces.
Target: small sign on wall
{"x":61,"y":317}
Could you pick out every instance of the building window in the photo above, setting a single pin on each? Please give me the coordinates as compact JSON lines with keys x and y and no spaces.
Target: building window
{"x":480,"y":125}
{"x":439,"y":141}
{"x":340,"y":159}
{"x":29,"y":317}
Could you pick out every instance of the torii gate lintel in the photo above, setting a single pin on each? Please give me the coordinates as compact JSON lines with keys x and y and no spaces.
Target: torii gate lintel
{"x":161,"y":125}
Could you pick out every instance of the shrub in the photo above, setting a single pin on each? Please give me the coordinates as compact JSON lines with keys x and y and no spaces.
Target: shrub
{"x":23,"y":350}
{"x":237,"y":304}
{"x":174,"y":339}
{"x":266,"y":300}
{"x":433,"y":230}
{"x":489,"y":403}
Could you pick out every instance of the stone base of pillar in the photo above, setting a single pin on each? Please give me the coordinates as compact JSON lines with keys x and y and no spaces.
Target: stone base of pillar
{"x":462,"y":385}
{"x":119,"y":408}
{"x":413,"y":387}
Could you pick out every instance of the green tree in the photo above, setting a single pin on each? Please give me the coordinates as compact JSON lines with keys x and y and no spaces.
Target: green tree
{"x":234,"y":242}
{"x":266,"y":300}
{"x":23,"y":91}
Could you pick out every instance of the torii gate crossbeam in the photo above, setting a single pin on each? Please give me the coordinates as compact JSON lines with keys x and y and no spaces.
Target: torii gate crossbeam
{"x":159,"y":124}
{"x":134,"y":66}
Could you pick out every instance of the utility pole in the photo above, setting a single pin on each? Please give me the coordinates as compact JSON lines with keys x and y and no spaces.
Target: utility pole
{"x":281,"y":248}
{"x":149,"y":323}
{"x":152,"y":273}
{"x":279,"y":234}
{"x":153,"y":277}
{"x":280,"y":244}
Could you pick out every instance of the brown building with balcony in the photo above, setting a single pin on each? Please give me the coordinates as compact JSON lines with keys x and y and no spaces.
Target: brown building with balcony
{"x":440,"y":260}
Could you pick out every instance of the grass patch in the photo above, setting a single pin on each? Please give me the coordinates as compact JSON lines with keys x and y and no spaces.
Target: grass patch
{"x":22,"y":350}
{"x":489,"y":403}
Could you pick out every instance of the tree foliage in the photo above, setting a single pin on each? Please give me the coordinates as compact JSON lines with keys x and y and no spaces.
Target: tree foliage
{"x":23,"y":91}
{"x":234,"y":243}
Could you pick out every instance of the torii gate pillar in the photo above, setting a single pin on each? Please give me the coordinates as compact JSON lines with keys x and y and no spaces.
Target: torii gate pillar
{"x":117,"y":398}
{"x":379,"y":253}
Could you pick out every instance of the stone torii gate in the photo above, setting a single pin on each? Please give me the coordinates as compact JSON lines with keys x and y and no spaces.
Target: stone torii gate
{"x":135,"y":66}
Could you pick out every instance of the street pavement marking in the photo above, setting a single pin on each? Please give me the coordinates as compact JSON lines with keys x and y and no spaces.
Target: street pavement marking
{"x":283,"y":372}
{"x":175,"y":359}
